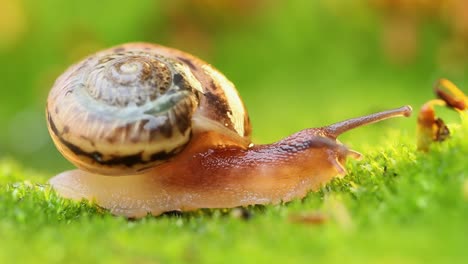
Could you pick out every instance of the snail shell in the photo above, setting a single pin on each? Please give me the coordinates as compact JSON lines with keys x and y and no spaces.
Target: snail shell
{"x":137,"y":105}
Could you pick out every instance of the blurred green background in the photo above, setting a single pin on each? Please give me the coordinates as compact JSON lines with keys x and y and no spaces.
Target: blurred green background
{"x":296,"y":63}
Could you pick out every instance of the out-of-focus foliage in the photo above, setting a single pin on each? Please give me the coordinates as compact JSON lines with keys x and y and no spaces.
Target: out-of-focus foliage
{"x":403,"y":20}
{"x":296,"y":63}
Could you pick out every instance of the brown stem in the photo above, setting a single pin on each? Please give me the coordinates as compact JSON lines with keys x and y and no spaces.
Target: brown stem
{"x":337,"y":129}
{"x":454,"y":98}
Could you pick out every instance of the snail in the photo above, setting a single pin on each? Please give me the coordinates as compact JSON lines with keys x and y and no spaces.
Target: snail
{"x":153,"y":129}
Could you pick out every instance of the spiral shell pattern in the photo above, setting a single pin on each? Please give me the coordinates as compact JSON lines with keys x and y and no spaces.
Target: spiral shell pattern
{"x":130,"y":108}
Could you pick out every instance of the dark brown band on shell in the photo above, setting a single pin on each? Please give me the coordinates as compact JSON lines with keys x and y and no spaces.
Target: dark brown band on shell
{"x":129,"y":161}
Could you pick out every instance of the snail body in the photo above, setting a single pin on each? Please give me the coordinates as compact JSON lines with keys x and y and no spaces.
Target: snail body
{"x":153,"y":129}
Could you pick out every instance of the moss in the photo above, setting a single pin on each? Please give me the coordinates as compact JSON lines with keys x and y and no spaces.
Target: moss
{"x":395,"y":205}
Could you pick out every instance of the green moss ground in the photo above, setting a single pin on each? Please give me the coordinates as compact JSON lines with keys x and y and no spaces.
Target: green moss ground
{"x":396,"y":205}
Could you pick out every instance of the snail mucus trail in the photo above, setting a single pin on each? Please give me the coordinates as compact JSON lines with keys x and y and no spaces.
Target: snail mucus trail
{"x":153,"y":129}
